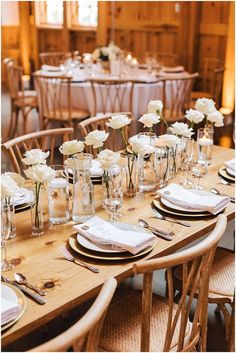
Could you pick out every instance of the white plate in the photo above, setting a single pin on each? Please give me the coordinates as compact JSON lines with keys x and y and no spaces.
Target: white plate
{"x":9,"y":294}
{"x":173,"y":69}
{"x":88,"y":244}
{"x":230,"y":172}
{"x":23,"y":196}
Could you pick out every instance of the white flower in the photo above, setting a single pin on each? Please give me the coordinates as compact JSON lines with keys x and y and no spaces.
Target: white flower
{"x":217,"y":118}
{"x":139,"y":146}
{"x":96,"y":54}
{"x":167,"y":140}
{"x":205,"y":105}
{"x":155,"y":106}
{"x":96,"y":138}
{"x":181,"y":129}
{"x":40,"y":173}
{"x":194,"y":116}
{"x":149,"y":119}
{"x":71,"y":147}
{"x":35,"y":156}
{"x":18,"y":179}
{"x":118,"y":121}
{"x":107,"y":159}
{"x":8,"y":186}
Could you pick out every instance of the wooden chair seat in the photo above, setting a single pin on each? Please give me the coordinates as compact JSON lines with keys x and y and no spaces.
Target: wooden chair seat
{"x":63,"y":115}
{"x":222,"y":277}
{"x":195,"y":95}
{"x":122,"y":327}
{"x":26,"y":101}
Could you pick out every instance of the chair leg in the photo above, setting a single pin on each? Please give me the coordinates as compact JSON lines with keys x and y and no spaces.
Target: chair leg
{"x":14,"y":128}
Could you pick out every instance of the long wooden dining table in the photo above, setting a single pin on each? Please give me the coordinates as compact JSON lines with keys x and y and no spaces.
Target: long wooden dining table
{"x":40,"y":260}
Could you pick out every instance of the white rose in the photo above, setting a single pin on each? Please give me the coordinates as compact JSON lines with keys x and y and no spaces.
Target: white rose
{"x":35,"y":156}
{"x":40,"y":173}
{"x":149,"y":119}
{"x":181,"y":129}
{"x":155,"y":106}
{"x":107,"y":159}
{"x":8,"y":186}
{"x":116,"y":50}
{"x":17,"y":178}
{"x":194,"y":116}
{"x":71,"y":147}
{"x":205,"y":105}
{"x":167,"y":140}
{"x":105,"y":51}
{"x":118,"y":121}
{"x":141,"y":147}
{"x":96,"y":138}
{"x":217,"y":118}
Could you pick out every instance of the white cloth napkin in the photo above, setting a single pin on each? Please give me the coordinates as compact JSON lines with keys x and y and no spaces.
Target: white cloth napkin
{"x":206,"y":201}
{"x":95,"y":169}
{"x":9,"y":310}
{"x":23,"y":196}
{"x":102,"y":232}
{"x":50,"y":68}
{"x":231,"y":165}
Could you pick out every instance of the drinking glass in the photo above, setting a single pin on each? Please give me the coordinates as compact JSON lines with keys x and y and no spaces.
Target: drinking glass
{"x":189,"y":153}
{"x":5,"y":234}
{"x":58,"y":196}
{"x":199,"y":169}
{"x":113,"y":198}
{"x":205,"y":144}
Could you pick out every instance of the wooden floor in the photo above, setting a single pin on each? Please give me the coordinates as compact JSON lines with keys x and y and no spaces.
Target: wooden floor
{"x":216,"y":326}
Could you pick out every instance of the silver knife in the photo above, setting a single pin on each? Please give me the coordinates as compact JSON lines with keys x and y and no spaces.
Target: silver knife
{"x":34,"y":296}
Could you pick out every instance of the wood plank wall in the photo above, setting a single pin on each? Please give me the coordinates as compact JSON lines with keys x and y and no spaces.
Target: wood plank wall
{"x":191,"y":29}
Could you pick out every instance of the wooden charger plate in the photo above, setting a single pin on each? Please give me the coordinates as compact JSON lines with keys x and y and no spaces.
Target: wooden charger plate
{"x":103,"y":256}
{"x":160,"y":207}
{"x":21,"y":300}
{"x":225,"y":175}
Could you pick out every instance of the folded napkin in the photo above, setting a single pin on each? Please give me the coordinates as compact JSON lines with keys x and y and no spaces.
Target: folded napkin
{"x":9,"y":310}
{"x":95,"y":169}
{"x":182,"y":197}
{"x":50,"y":68}
{"x":230,"y":164}
{"x":101,"y":232}
{"x":23,"y":196}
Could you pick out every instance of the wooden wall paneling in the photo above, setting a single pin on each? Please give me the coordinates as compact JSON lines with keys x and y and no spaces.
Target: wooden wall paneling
{"x":84,"y":42}
{"x":102,"y":23}
{"x":10,"y":36}
{"x":50,"y":40}
{"x":34,"y":36}
{"x":65,"y":31}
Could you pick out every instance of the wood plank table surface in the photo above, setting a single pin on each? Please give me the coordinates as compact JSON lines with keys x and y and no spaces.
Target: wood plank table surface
{"x":40,"y":260}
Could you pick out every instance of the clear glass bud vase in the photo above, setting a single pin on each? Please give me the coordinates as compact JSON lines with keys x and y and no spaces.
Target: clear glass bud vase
{"x":83,"y":206}
{"x":146,"y":172}
{"x":131,"y":180}
{"x":37,"y":211}
{"x":166,"y":175}
{"x":9,"y":201}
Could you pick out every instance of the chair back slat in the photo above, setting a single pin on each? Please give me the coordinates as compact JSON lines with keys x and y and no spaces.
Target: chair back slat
{"x":15,"y":82}
{"x":45,"y":140}
{"x":196,"y":264}
{"x":53,"y":59}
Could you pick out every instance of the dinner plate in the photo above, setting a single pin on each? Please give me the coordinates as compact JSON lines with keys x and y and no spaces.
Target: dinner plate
{"x":111,"y":256}
{"x":178,"y":208}
{"x":173,"y":69}
{"x":88,"y":244}
{"x":160,"y":207}
{"x":230,"y":172}
{"x":222,"y":172}
{"x":14,"y":294}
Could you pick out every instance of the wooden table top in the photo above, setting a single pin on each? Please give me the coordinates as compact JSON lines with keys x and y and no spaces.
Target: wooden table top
{"x":40,"y":260}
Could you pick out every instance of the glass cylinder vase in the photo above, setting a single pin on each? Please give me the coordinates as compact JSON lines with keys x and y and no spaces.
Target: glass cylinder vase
{"x":5,"y":234}
{"x":146,"y":172}
{"x":131,"y":180}
{"x":205,"y":144}
{"x":9,"y":201}
{"x":37,"y":211}
{"x":166,"y":175}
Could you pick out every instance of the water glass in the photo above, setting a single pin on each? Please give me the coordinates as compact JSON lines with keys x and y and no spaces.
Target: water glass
{"x":112,"y":193}
{"x":160,"y":166}
{"x":189,"y":155}
{"x":198,"y":170}
{"x":205,"y":144}
{"x":5,"y":234}
{"x":58,"y":196}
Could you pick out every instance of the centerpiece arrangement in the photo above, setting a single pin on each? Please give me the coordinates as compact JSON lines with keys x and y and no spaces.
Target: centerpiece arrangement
{"x":106,"y":54}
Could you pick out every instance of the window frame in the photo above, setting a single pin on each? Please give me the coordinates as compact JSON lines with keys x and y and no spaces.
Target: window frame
{"x":72,"y":11}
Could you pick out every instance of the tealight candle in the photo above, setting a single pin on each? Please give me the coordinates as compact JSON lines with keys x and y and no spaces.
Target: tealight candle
{"x":204,"y":141}
{"x":205,"y":144}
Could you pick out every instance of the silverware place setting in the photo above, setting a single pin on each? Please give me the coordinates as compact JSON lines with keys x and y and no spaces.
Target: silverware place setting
{"x":71,"y":258}
{"x":155,"y":231}
{"x":217,"y":192}
{"x":169,"y":219}
{"x":224,"y":182}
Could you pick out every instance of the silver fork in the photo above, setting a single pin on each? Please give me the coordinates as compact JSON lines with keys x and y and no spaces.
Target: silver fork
{"x":71,"y":258}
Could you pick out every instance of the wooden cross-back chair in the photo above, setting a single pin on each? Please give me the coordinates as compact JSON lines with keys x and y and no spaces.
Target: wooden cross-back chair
{"x":212,"y":81}
{"x":21,"y":100}
{"x":144,"y":321}
{"x":109,"y":95}
{"x":44,"y":140}
{"x":84,"y":334}
{"x":54,"y":94}
{"x":167,"y":59}
{"x":177,"y":96}
{"x":114,"y":140}
{"x":53,"y":58}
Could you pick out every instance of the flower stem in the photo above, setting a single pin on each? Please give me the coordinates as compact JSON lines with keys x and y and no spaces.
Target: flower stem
{"x":162,"y":117}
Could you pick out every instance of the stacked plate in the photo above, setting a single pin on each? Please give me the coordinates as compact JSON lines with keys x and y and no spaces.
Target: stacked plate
{"x":86,"y":247}
{"x":11,"y":297}
{"x":227,"y":174}
{"x":169,"y":208}
{"x":23,"y":200}
{"x":95,"y":173}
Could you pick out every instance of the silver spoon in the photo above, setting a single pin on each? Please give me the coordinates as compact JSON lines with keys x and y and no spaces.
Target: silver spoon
{"x":164,"y":235}
{"x":217,"y":192}
{"x":21,"y":279}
